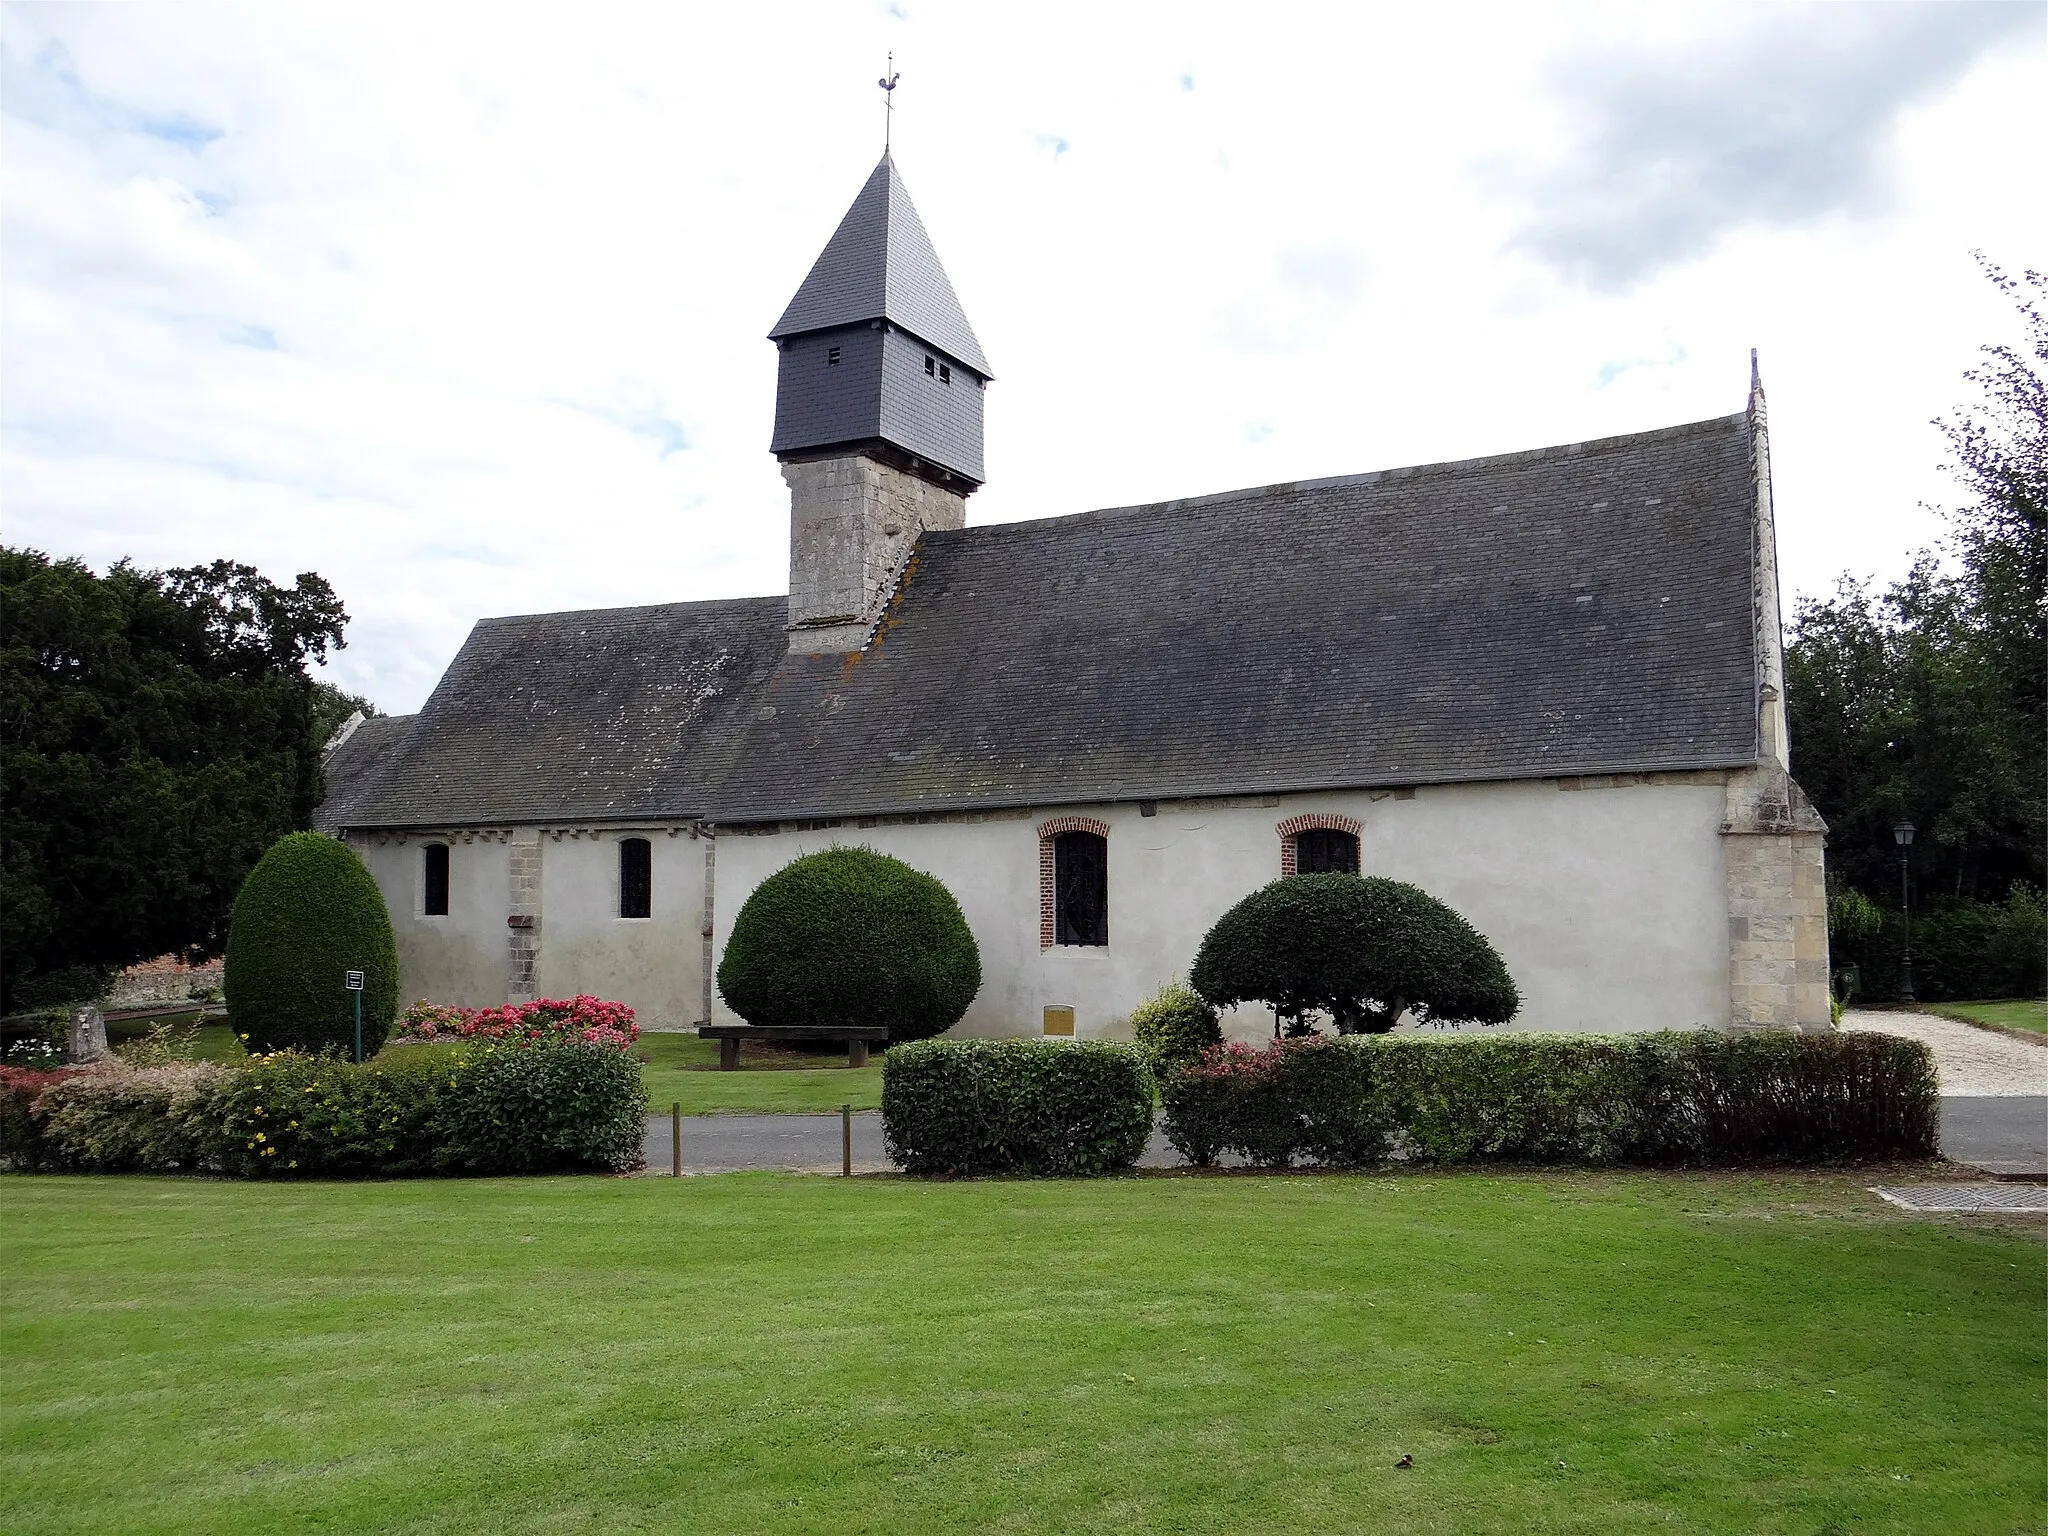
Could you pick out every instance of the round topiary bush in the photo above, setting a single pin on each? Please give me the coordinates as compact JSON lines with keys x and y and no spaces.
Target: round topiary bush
{"x":309,"y":913}
{"x":1174,"y":1026}
{"x":1362,"y":951}
{"x":851,"y":936}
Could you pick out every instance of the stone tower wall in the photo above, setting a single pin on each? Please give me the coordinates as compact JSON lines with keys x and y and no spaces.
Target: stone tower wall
{"x":853,"y":521}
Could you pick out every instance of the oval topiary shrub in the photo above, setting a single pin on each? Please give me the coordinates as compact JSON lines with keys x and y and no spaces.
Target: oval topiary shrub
{"x":1174,"y":1026}
{"x":851,"y":936}
{"x":308,"y":913}
{"x":1362,"y":951}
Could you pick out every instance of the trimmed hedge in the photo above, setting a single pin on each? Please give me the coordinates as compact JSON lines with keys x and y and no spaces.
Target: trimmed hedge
{"x":1691,"y":1098}
{"x":851,"y":936}
{"x":1173,"y":1027}
{"x":555,"y":1106}
{"x":21,"y":1133}
{"x":1015,"y":1106}
{"x":1361,"y":951}
{"x":308,"y":913}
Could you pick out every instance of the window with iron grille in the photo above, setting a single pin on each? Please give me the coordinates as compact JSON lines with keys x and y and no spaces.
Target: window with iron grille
{"x":1325,"y":850}
{"x":436,"y":893}
{"x":636,"y":878}
{"x":1080,"y":873}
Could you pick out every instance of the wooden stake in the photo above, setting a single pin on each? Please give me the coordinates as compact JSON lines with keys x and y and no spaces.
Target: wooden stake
{"x":846,"y":1141}
{"x":675,"y":1137}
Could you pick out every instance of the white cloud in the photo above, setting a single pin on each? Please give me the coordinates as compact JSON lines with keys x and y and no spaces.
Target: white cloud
{"x":474,"y":324}
{"x":1779,"y":116}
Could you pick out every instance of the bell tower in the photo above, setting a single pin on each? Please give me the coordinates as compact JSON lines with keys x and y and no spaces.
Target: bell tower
{"x":877,"y":414}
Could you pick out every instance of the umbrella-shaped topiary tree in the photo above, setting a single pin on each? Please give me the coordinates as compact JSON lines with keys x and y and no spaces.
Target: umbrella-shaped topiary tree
{"x":1363,"y":951}
{"x":851,"y":936}
{"x":307,"y":914}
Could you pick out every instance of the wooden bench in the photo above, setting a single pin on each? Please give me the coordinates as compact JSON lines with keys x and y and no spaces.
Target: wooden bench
{"x":729,"y":1037}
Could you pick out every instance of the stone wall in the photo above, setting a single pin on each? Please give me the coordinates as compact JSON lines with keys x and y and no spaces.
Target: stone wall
{"x":852,"y":523}
{"x":523,"y":916}
{"x":1777,"y":903}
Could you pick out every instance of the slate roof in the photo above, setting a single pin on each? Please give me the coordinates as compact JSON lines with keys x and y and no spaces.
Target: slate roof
{"x":1584,"y":609}
{"x":350,"y":767}
{"x":880,"y":265}
{"x":626,"y":713}
{"x":1572,"y":610}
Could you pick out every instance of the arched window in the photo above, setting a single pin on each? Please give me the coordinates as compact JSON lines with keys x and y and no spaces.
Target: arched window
{"x":1073,"y":881}
{"x":1325,"y":850}
{"x":435,"y":903}
{"x":1318,"y":844}
{"x":1080,"y":884}
{"x":636,"y":877}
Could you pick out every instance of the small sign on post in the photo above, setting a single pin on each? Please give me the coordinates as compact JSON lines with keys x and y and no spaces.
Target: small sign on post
{"x":353,"y":982}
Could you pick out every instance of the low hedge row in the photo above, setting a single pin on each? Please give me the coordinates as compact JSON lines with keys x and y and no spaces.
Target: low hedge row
{"x":1698,"y":1098}
{"x":1015,"y":1106}
{"x":547,"y":1107}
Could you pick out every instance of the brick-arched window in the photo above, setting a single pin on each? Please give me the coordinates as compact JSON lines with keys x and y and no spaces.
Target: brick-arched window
{"x":1311,"y":844}
{"x":1073,"y":882}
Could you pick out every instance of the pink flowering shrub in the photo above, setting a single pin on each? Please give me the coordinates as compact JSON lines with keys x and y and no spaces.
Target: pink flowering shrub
{"x":549,"y":1021}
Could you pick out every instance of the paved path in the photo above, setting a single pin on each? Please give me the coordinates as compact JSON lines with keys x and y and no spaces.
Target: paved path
{"x":796,"y":1144}
{"x":1994,"y":1113}
{"x":789,"y":1143}
{"x":1971,"y":1062}
{"x":2005,"y":1135}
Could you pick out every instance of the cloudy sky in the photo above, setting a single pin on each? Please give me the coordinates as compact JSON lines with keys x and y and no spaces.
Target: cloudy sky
{"x":463,"y":306}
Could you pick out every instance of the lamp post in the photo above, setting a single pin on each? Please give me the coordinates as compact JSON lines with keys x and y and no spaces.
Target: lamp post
{"x":1902,"y":834}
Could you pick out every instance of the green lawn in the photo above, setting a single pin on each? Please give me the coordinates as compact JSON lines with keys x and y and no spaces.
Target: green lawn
{"x":2017,"y":1013}
{"x":210,"y":1041}
{"x":754,"y":1353}
{"x":766,"y":1083}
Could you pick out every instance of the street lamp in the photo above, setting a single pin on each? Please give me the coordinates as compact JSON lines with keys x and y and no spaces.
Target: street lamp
{"x":1902,"y":834}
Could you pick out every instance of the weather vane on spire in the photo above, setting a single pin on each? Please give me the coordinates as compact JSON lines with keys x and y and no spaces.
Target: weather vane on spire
{"x":888,"y":85}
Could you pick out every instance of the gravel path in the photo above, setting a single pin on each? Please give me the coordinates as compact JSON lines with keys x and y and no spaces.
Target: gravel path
{"x":1971,"y":1062}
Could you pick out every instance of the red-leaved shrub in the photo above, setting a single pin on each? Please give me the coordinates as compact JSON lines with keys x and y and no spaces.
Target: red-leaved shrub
{"x":21,"y":1134}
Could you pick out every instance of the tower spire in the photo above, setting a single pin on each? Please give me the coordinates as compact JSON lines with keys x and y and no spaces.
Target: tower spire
{"x":888,"y":85}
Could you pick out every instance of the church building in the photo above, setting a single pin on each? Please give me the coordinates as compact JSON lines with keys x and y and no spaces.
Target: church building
{"x":1546,"y":687}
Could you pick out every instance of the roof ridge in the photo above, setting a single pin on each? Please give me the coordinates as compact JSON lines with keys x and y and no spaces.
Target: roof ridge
{"x":582,"y":613}
{"x":1374,"y":476}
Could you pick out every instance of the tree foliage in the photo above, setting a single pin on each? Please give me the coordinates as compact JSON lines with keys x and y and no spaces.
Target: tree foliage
{"x":851,"y":936}
{"x":1362,"y":951}
{"x":308,"y":914}
{"x":156,"y":735}
{"x":1929,"y":700}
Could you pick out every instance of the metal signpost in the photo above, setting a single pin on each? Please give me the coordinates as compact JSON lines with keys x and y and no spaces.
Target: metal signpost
{"x":353,"y":980}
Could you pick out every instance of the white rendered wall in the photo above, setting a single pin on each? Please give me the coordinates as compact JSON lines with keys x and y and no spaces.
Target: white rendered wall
{"x":458,"y":959}
{"x":655,"y":965}
{"x":1608,"y":903}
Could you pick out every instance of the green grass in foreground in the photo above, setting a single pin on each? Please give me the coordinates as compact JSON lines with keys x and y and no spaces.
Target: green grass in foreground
{"x":2015,"y":1013}
{"x":1588,"y":1353}
{"x":764,"y":1085}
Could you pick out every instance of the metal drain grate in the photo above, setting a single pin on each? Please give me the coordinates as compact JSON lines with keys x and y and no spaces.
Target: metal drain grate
{"x":2025,"y":1198}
